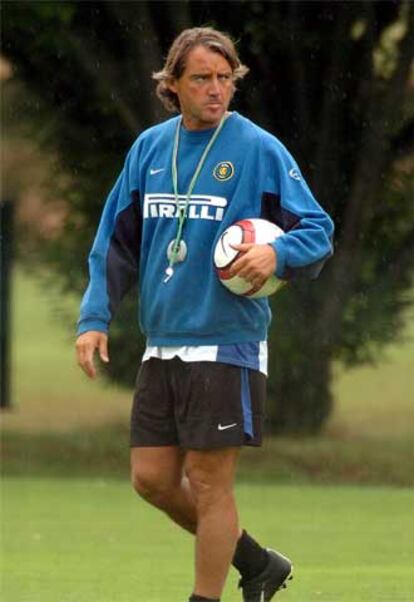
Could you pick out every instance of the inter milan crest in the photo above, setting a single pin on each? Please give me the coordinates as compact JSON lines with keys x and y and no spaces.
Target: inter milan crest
{"x":223,"y":171}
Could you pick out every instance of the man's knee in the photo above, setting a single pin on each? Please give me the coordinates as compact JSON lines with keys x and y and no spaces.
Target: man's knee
{"x":205,"y":489}
{"x":151,"y":485}
{"x":156,"y":473}
{"x":209,"y":487}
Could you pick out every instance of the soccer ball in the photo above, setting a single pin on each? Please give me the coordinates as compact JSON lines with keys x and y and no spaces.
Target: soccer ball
{"x":258,"y":231}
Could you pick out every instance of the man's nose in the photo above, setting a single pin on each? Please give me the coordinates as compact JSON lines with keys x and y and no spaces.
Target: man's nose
{"x":214,"y":87}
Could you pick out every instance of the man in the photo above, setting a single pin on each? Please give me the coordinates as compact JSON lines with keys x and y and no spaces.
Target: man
{"x":201,"y":387}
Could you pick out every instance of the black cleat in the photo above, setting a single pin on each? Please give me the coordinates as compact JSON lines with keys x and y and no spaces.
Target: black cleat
{"x":263,"y":587}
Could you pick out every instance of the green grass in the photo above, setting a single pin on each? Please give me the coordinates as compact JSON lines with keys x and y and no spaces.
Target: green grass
{"x":375,"y":401}
{"x":88,"y":538}
{"x":49,"y":391}
{"x":104,"y":452}
{"x":94,"y":541}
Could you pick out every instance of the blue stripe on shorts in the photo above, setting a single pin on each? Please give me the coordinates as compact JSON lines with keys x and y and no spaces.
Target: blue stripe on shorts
{"x":246,"y":402}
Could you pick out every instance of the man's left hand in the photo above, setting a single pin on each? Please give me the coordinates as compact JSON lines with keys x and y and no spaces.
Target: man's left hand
{"x":256,"y":263}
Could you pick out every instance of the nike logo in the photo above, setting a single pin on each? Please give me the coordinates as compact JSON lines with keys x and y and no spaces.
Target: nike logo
{"x":223,"y":427}
{"x":155,"y":171}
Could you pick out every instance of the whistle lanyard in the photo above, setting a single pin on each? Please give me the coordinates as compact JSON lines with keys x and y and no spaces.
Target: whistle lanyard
{"x":182,"y":210}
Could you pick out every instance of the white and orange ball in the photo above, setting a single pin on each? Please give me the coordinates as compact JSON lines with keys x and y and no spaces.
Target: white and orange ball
{"x":257,"y":231}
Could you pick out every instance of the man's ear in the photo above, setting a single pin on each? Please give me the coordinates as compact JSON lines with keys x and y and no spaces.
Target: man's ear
{"x":171,"y":85}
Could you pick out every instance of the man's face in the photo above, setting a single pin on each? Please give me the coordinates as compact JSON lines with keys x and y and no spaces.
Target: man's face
{"x":204,"y":89}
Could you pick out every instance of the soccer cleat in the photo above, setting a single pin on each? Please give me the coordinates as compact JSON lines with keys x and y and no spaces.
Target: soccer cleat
{"x":273,"y":578}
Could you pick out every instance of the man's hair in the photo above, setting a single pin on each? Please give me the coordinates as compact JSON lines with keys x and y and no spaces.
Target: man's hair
{"x":210,"y":38}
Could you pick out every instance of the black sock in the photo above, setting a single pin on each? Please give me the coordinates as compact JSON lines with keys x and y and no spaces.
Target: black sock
{"x":250,"y":559}
{"x":195,"y":598}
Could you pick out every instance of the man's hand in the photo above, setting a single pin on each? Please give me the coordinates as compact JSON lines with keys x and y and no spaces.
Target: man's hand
{"x":86,"y":344}
{"x":256,"y":264}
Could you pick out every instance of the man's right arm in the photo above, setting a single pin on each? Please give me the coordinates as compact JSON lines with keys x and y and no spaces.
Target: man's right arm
{"x":113,"y":264}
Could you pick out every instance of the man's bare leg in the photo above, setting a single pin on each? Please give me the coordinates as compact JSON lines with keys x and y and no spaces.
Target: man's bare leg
{"x":157,"y":474}
{"x":211,"y":475}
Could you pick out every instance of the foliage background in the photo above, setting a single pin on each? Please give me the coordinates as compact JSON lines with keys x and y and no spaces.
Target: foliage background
{"x":333,"y":80}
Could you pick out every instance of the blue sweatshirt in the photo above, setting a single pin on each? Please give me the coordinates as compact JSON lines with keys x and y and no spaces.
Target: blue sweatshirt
{"x":248,"y":173}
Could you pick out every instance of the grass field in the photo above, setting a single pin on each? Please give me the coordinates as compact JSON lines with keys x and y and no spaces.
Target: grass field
{"x":93,"y":541}
{"x":73,"y":530}
{"x":50,"y":393}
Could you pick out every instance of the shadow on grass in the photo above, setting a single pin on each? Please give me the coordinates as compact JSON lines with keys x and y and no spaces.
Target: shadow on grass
{"x":325,"y":459}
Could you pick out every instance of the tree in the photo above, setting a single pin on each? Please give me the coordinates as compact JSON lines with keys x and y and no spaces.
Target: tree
{"x":331,"y":79}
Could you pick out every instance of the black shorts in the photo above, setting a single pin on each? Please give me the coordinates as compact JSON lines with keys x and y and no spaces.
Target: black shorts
{"x":197,"y":405}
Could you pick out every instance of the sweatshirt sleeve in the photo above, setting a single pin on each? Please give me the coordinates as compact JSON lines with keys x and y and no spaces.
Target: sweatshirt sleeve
{"x":113,"y":260}
{"x":288,"y":202}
